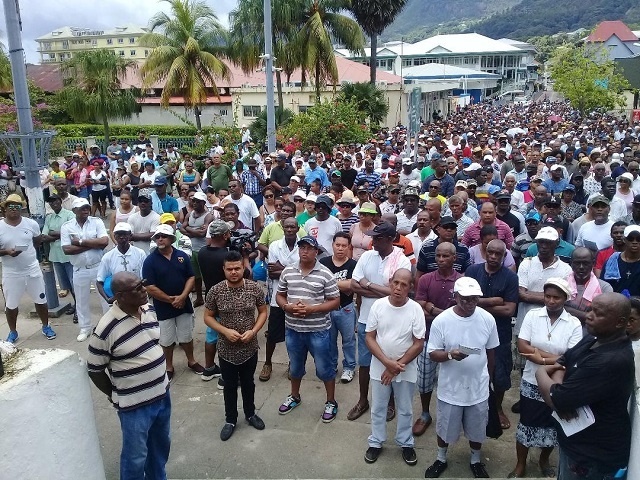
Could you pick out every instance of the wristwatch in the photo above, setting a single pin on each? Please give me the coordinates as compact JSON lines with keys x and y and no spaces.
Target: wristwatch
{"x":80,"y":242}
{"x":449,"y":356}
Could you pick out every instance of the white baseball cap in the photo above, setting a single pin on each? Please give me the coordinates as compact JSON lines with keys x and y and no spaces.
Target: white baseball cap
{"x":122,"y":227}
{"x":560,"y":283}
{"x":200,"y":196}
{"x":295,"y":178}
{"x":300,"y":194}
{"x":79,"y":203}
{"x":164,"y":229}
{"x":467,"y":287}
{"x":473,"y":167}
{"x":548,"y":233}
{"x":629,"y":229}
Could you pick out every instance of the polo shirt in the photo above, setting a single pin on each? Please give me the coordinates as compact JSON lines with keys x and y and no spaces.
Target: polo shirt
{"x":129,"y":349}
{"x":435,"y":288}
{"x":169,"y":204}
{"x":564,"y":251}
{"x":282,"y":175}
{"x":274,"y":231}
{"x":406,"y":223}
{"x":603,"y":379}
{"x":471,"y":236}
{"x":314,"y":288}
{"x":92,"y":228}
{"x":504,"y":284}
{"x":372,"y":178}
{"x":114,"y":261}
{"x":427,"y":257}
{"x":53,"y":222}
{"x":170,"y":276}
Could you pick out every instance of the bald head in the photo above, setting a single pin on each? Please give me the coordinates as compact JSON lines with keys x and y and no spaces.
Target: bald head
{"x":123,"y":281}
{"x":434,"y":204}
{"x":616,"y":304}
{"x":390,"y":218}
{"x":446,"y":247}
{"x":497,"y":244}
{"x":403,"y":274}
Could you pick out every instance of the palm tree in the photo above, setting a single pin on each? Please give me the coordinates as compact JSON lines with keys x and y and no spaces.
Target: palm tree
{"x":186,"y":56}
{"x":374,"y":16}
{"x":369,"y":99}
{"x":94,"y":90}
{"x":258,"y":127}
{"x":324,"y":24}
{"x":6,"y":79}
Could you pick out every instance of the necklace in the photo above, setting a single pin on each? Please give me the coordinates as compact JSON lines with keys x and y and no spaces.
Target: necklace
{"x":549,"y":328}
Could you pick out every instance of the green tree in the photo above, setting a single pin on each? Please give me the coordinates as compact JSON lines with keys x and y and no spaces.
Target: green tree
{"x":94,"y":89}
{"x":374,"y":16}
{"x":326,"y":124}
{"x":258,"y":127}
{"x":322,"y":25}
{"x":187,"y":54}
{"x":585,"y":76}
{"x":369,"y":99}
{"x":6,"y":80}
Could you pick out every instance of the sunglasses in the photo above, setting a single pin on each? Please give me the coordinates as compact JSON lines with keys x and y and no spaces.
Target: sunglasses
{"x":298,"y":200}
{"x":345,"y":205}
{"x":14,"y":206}
{"x":268,"y":196}
{"x":434,"y":186}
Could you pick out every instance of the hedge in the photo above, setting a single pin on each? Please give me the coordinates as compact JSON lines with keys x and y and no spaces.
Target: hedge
{"x":87,"y":129}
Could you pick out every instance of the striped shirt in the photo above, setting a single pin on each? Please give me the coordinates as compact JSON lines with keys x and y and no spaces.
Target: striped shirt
{"x":128,"y":348}
{"x":315,"y":288}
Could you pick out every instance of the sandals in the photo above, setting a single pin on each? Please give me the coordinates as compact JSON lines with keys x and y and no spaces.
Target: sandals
{"x":265,"y":373}
{"x":63,"y":293}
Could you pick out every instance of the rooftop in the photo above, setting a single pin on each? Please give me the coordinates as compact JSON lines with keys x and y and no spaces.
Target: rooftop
{"x":606,"y":29}
{"x":441,"y":71}
{"x":73,"y":32}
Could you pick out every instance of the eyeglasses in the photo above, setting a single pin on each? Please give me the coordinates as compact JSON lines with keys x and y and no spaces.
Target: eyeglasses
{"x":137,"y":288}
{"x":268,"y":196}
{"x":14,"y":206}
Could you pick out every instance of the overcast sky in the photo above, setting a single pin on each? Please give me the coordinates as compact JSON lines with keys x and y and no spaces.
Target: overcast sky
{"x":40,"y":17}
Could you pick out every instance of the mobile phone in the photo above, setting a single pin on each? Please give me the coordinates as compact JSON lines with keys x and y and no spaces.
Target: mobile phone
{"x":20,"y":248}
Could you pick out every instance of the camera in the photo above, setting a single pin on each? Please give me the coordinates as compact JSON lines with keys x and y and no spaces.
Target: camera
{"x":243,"y":241}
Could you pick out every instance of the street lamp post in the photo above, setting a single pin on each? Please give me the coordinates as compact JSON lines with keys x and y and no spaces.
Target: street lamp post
{"x":268,"y":57}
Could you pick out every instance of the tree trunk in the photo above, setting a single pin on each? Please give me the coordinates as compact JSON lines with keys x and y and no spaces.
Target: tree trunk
{"x":372,"y":59}
{"x":105,"y":123}
{"x":197,"y":112}
{"x":317,"y":81}
{"x":279,"y":88}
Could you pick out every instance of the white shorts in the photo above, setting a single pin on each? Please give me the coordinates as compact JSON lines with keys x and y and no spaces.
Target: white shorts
{"x":15,"y":287}
{"x":176,"y":330}
{"x":452,"y":419}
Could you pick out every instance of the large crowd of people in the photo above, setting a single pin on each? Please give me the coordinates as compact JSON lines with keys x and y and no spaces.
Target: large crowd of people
{"x":498,"y":243}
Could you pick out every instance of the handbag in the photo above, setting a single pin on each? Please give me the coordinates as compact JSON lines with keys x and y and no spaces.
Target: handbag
{"x":494,"y":429}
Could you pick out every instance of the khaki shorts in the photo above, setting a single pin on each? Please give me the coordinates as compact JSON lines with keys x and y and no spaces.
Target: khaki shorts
{"x":176,"y":330}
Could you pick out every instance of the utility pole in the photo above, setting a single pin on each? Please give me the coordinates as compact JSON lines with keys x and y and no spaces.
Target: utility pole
{"x":268,"y":71}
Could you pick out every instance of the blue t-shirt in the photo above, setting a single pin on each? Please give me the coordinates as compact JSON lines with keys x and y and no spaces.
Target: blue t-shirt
{"x":169,"y":276}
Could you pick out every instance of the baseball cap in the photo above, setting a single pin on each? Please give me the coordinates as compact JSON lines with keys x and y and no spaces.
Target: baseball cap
{"x":164,"y":229}
{"x":550,"y":159}
{"x":503,"y":194}
{"x":569,"y":187}
{"x":553,"y":201}
{"x":145,"y":197}
{"x":560,"y":283}
{"x":324,"y":199}
{"x":300,"y":194}
{"x":123,"y":227}
{"x":383,"y":229}
{"x":309,"y":240}
{"x":410,"y":191}
{"x":200,"y":196}
{"x":312,"y":159}
{"x":553,"y":221}
{"x":447,"y":220}
{"x":368,"y":207}
{"x":555,"y":167}
{"x":629,"y":229}
{"x":407,"y":161}
{"x":488,"y":158}
{"x":295,"y":178}
{"x":160,"y":182}
{"x":79,"y":203}
{"x":627,"y":176}
{"x":598,"y":199}
{"x":472,"y":182}
{"x":533,"y":215}
{"x":467,"y":287}
{"x":461,"y":183}
{"x":548,"y":233}
{"x":473,"y":167}
{"x":167,"y":217}
{"x":466,"y":161}
{"x":336,"y":173}
{"x":220,"y":227}
{"x":493,"y":189}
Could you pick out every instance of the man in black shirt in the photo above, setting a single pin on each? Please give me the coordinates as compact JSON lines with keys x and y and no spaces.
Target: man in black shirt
{"x":348,"y":174}
{"x":281,"y":174}
{"x":211,"y":260}
{"x":343,"y":320}
{"x":503,"y":212}
{"x":597,"y":373}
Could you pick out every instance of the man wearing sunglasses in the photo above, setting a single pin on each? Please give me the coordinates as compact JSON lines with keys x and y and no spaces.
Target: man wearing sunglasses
{"x":20,"y":269}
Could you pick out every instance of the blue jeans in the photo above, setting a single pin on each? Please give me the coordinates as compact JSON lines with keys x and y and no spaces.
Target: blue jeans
{"x":569,"y":470}
{"x":403,"y":394}
{"x":344,"y":321}
{"x":64,"y":274}
{"x":258,"y":198}
{"x":145,"y":441}
{"x":318,"y":344}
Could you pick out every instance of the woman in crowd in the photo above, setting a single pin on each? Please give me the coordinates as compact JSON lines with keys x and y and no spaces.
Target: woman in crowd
{"x":189,"y":176}
{"x":132,"y":182}
{"x":183,"y":190}
{"x":117,"y":183}
{"x":268,"y":208}
{"x":546,"y":333}
{"x":359,"y":241}
{"x":188,"y":206}
{"x":345,"y":212}
{"x":123,"y":211}
{"x":99,"y":185}
{"x":275,"y":216}
{"x":624,"y":190}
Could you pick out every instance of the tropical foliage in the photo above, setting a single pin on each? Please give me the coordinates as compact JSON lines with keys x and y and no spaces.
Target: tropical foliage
{"x":326,"y":124}
{"x":6,"y":82}
{"x":94,"y":90}
{"x":369,"y":99}
{"x":187,"y":54}
{"x":587,"y":79}
{"x":374,"y":16}
{"x":258,"y":128}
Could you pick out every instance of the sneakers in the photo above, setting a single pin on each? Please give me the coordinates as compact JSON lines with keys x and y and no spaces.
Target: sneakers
{"x":227,"y":431}
{"x":330,"y":412}
{"x":409,"y":456}
{"x":84,"y":334}
{"x":372,"y":454}
{"x":436,"y":469}
{"x":12,"y":337}
{"x":48,"y":332}
{"x":289,"y":404}
{"x":478,"y":470}
{"x":211,"y":373}
{"x":347,"y":376}
{"x":220,"y":384}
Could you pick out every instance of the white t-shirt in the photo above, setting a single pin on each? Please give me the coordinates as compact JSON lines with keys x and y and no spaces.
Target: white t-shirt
{"x":595,"y":237}
{"x":565,"y":332}
{"x":114,"y":261}
{"x":406,"y":223}
{"x":379,"y":271}
{"x":466,"y":382}
{"x":97,"y":187}
{"x":417,"y":242}
{"x":140,"y":224}
{"x":26,"y":263}
{"x":395,"y":328}
{"x":323,"y":231}
{"x":248,"y":209}
{"x":279,"y":252}
{"x":145,"y":177}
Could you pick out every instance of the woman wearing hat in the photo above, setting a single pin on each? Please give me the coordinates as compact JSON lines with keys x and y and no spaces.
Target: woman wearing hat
{"x":546,"y":333}
{"x":345,"y":212}
{"x":360,"y":241}
{"x":624,"y":190}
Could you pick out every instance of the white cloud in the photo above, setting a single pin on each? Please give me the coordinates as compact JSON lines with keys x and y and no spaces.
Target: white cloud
{"x":40,"y":17}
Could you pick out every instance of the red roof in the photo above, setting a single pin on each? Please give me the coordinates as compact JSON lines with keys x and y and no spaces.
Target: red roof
{"x":180,"y":100}
{"x":47,"y":76}
{"x":606,"y":29}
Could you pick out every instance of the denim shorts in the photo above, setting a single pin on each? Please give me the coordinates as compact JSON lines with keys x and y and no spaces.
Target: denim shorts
{"x":211,"y":336}
{"x":364,"y":355}
{"x":318,"y":344}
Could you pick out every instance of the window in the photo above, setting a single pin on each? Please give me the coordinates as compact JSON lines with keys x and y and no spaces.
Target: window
{"x":109,"y":41}
{"x":223,"y":112}
{"x":121,"y":40}
{"x":251,"y":111}
{"x":146,"y":53}
{"x":52,"y":56}
{"x":303,"y":108}
{"x":94,"y":42}
{"x":133,"y":53}
{"x":121,"y":53}
{"x":65,"y":44}
{"x":46,"y":46}
{"x":407,"y":62}
{"x":132,"y":40}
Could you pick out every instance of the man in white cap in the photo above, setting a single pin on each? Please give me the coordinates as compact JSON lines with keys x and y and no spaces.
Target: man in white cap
{"x":143,"y":222}
{"x":462,"y":340}
{"x":20,"y":269}
{"x":124,"y":258}
{"x":84,"y":239}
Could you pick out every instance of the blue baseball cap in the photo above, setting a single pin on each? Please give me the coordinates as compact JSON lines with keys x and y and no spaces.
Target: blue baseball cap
{"x":522,"y":186}
{"x":309,"y":240}
{"x":533,"y":215}
{"x":493,"y":189}
{"x":466,"y":161}
{"x":569,"y":187}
